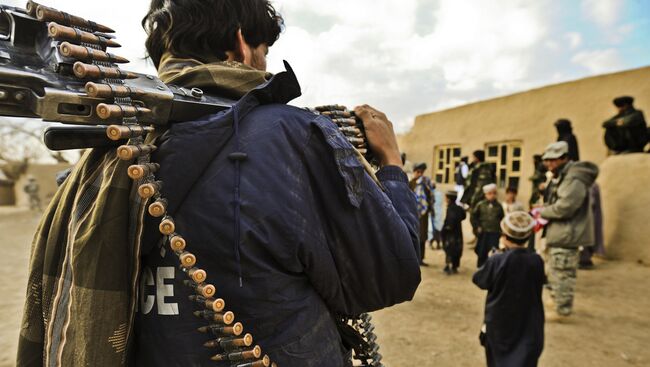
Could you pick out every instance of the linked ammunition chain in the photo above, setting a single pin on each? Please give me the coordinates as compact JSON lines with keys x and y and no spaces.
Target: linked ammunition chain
{"x":366,"y":353}
{"x":86,"y":42}
{"x":351,"y":127}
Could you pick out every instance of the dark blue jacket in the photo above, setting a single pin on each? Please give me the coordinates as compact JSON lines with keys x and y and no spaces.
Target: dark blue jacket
{"x":317,"y":236}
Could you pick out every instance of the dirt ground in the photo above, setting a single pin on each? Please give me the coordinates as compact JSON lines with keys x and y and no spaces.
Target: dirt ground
{"x":610,"y":328}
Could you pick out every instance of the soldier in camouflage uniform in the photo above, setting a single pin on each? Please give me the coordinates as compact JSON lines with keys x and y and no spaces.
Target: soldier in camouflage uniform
{"x":31,"y":189}
{"x":570,"y":223}
{"x":486,"y":218}
{"x":480,"y":174}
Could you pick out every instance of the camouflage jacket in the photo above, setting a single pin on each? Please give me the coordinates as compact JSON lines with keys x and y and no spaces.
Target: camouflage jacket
{"x":481,"y":175}
{"x":488,"y":215}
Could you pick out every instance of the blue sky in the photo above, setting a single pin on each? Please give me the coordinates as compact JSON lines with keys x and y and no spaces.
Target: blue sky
{"x":410,"y":57}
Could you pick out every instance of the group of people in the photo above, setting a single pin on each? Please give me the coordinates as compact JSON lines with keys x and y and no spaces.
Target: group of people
{"x":475,"y":193}
{"x":564,"y":210}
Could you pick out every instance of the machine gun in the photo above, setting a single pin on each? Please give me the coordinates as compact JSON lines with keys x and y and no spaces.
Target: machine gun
{"x":56,"y":67}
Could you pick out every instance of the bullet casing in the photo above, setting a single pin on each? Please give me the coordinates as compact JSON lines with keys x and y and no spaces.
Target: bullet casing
{"x":139,"y":171}
{"x":197,"y":275}
{"x":47,"y":14}
{"x":84,"y":53}
{"x":129,"y":152}
{"x":158,"y":208}
{"x":254,"y":353}
{"x":150,"y":189}
{"x":167,"y":226}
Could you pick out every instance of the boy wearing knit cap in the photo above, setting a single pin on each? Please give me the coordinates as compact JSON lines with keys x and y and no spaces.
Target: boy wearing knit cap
{"x":514,"y":312}
{"x":486,"y":218}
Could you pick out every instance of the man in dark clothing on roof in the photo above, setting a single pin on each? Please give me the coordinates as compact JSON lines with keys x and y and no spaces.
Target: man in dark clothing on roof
{"x":565,"y":133}
{"x":627,"y":132}
{"x":272,"y":199}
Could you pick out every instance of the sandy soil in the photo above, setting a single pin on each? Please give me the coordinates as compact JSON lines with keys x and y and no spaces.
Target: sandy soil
{"x":611,"y":326}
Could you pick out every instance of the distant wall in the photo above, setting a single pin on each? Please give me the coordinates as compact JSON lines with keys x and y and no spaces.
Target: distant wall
{"x":528,"y":117}
{"x":625,"y":189}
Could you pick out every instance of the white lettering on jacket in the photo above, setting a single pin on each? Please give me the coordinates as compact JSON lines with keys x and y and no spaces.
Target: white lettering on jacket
{"x":163,"y":290}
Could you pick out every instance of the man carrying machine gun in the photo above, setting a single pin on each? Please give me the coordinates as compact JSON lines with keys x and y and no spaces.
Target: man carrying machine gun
{"x":273,"y":200}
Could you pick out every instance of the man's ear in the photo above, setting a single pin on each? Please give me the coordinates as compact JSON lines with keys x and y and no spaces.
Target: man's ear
{"x":244,"y":53}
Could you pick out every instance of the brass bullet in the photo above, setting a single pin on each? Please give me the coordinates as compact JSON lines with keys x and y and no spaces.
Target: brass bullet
{"x":205,"y":290}
{"x":197,"y":275}
{"x":63,"y":33}
{"x":158,"y":208}
{"x":120,"y":132}
{"x":177,"y":243}
{"x":234,"y":330}
{"x":188,"y":260}
{"x":254,"y":353}
{"x":229,"y":342}
{"x":98,"y":90}
{"x":113,"y":111}
{"x":47,"y":14}
{"x":167,"y":226}
{"x":88,"y":71}
{"x":129,"y":152}
{"x":211,"y":304}
{"x":84,"y":53}
{"x":264,"y":362}
{"x":150,"y":189}
{"x":139,"y":171}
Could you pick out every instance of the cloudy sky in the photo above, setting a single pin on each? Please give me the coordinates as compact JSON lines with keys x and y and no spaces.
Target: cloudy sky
{"x":410,"y":57}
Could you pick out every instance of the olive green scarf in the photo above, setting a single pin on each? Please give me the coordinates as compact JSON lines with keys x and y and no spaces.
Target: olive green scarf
{"x":229,"y":79}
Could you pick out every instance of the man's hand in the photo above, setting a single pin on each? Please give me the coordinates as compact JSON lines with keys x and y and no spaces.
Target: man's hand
{"x":381,"y":136}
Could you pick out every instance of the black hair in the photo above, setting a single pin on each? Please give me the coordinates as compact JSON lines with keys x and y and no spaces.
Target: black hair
{"x":563,"y":126}
{"x":480,"y":155}
{"x":205,"y":29}
{"x":512,"y":190}
{"x":518,"y":241}
{"x":623,"y":101}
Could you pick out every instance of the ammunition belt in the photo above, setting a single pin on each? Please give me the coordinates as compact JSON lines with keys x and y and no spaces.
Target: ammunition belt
{"x":87,"y":42}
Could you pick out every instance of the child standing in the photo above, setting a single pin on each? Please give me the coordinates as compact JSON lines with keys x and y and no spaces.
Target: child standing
{"x":511,"y":204}
{"x":514,"y":312}
{"x":452,"y":234}
{"x":486,"y":218}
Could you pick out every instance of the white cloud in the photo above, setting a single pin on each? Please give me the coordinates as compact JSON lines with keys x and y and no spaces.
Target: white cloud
{"x":465,"y":46}
{"x":599,"y":61}
{"x":574,"y":39}
{"x":603,"y":12}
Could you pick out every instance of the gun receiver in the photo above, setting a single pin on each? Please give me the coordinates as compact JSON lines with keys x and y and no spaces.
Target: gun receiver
{"x":44,"y":72}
